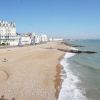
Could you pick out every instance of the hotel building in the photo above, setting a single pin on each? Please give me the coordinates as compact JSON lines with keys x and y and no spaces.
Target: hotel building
{"x":7,"y":32}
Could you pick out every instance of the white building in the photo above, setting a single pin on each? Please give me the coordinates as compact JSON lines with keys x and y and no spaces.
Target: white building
{"x":37,"y":39}
{"x":50,"y":39}
{"x":44,"y":38}
{"x":57,"y":39}
{"x":16,"y":41}
{"x":24,"y":40}
{"x":32,"y":36}
{"x":7,"y":32}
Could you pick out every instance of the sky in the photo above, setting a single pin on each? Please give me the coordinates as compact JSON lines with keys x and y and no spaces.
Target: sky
{"x":56,"y":18}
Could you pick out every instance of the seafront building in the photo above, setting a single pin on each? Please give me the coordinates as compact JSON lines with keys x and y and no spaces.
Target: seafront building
{"x":44,"y":38}
{"x":8,"y":35}
{"x":7,"y":32}
{"x":55,"y":39}
{"x":32,"y":39}
{"x":37,"y":39}
{"x":24,"y":40}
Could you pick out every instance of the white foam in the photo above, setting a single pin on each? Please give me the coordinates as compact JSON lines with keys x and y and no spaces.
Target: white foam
{"x":69,"y":90}
{"x":72,"y":48}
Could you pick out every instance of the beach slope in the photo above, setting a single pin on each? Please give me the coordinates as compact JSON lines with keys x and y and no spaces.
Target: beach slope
{"x":28,"y":73}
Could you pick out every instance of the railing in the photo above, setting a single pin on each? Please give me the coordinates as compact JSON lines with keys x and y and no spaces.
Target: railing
{"x":7,"y":37}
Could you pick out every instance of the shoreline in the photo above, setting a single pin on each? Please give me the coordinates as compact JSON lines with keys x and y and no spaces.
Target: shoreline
{"x":21,"y":64}
{"x":58,"y":81}
{"x":59,"y":69}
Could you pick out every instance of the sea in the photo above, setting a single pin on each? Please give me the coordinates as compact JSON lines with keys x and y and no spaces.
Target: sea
{"x":81,"y":72}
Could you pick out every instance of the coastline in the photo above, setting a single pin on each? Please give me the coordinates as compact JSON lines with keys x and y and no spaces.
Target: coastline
{"x":58,"y":81}
{"x":34,"y":72}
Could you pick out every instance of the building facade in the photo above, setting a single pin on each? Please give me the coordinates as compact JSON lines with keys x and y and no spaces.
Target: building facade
{"x":7,"y":32}
{"x":44,"y":38}
{"x":24,"y":40}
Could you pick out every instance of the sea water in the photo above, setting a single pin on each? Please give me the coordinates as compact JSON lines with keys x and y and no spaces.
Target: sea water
{"x":82,"y":81}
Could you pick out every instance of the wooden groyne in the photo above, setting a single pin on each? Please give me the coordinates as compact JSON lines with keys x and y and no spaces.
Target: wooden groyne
{"x":77,"y":51}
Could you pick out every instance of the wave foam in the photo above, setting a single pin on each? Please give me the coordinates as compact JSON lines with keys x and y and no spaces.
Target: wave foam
{"x":69,"y":90}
